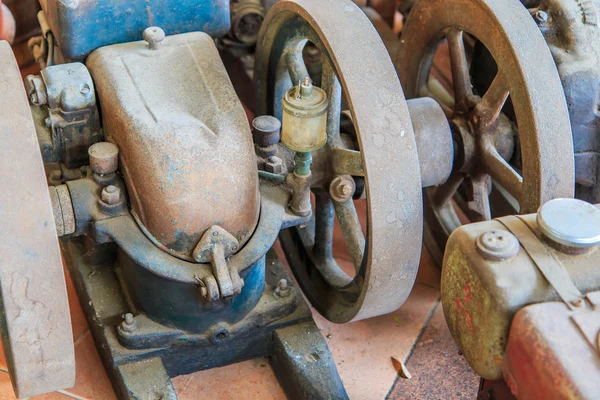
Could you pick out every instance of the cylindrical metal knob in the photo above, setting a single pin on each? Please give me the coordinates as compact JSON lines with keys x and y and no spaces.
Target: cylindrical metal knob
{"x":572,"y":223}
{"x":266,"y":130}
{"x":154,"y":36}
{"x":104,"y":158}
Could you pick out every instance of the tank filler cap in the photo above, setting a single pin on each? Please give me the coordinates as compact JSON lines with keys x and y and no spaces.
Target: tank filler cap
{"x":570,"y":222}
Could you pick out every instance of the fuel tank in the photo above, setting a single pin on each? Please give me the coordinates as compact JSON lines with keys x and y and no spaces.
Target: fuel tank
{"x":186,"y":150}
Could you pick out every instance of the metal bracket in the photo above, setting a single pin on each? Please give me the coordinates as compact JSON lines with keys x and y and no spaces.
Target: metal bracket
{"x":215,"y":246}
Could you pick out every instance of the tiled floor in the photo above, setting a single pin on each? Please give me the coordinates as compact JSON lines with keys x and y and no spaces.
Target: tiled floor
{"x":362,"y":351}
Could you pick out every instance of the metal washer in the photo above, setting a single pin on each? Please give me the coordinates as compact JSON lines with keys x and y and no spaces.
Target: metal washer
{"x":570,"y":222}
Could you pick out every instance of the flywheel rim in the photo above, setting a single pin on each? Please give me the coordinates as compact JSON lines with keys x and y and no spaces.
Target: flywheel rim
{"x":522,"y":56}
{"x":394,"y":222}
{"x":35,"y":319}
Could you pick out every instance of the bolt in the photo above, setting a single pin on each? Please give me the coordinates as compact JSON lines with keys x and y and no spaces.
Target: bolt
{"x":154,"y":36}
{"x":540,"y":16}
{"x":342,"y":188}
{"x":274,"y":165}
{"x":104,"y":158}
{"x":498,"y":245}
{"x":111,"y":195}
{"x":48,"y":122}
{"x":282,"y":290}
{"x":129,"y":324}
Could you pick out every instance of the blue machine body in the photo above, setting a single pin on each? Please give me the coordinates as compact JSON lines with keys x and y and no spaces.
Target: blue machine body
{"x":81,"y":26}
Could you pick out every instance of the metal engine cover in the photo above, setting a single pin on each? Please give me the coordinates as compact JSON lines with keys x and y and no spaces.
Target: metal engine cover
{"x":186,"y":150}
{"x":82,"y":26}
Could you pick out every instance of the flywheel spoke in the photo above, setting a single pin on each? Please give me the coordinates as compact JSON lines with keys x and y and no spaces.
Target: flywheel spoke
{"x":331,"y":86}
{"x":460,"y":69}
{"x":446,"y":191}
{"x":296,"y":66}
{"x":490,"y":107}
{"x":478,"y":203}
{"x":501,"y":170}
{"x":324,"y":223}
{"x":352,"y":231}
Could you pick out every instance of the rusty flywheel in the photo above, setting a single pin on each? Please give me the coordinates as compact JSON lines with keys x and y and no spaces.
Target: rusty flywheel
{"x":357,"y":69}
{"x":514,"y":143}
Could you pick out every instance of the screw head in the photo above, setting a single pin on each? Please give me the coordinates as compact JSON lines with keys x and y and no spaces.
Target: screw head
{"x":154,"y":36}
{"x":498,"y":245}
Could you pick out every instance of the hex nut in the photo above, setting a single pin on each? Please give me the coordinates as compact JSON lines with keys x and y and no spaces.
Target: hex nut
{"x":342,"y":188}
{"x":274,"y":165}
{"x":282,"y":290}
{"x":104,"y":157}
{"x":498,"y":245}
{"x":111,"y":195}
{"x":129,"y":323}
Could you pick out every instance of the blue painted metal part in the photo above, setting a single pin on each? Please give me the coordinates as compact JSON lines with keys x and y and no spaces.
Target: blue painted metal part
{"x":81,"y":26}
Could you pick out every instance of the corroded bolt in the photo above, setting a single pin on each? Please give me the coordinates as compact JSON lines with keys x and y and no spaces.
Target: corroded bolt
{"x":104,"y":157}
{"x":342,"y":188}
{"x":274,"y":165}
{"x":154,"y":36}
{"x":282,"y":290}
{"x":129,"y":324}
{"x":498,"y":245}
{"x":540,"y":16}
{"x":111,"y":195}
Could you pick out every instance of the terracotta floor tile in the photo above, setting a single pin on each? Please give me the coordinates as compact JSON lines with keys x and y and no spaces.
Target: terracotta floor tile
{"x":252,"y":379}
{"x":363,"y":350}
{"x":91,"y":381}
{"x":438,"y":370}
{"x":7,"y":393}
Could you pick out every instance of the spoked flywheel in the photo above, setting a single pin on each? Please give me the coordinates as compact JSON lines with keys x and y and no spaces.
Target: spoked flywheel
{"x":357,"y":69}
{"x":35,"y":319}
{"x":506,"y":162}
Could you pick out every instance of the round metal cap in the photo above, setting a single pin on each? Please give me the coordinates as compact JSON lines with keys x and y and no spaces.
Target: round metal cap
{"x":570,"y":222}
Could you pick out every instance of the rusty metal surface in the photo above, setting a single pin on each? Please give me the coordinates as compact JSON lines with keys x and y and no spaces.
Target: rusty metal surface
{"x":534,"y":172}
{"x":394,"y":229}
{"x":548,"y":357}
{"x":183,"y":137}
{"x":480,"y":297}
{"x":36,"y":326}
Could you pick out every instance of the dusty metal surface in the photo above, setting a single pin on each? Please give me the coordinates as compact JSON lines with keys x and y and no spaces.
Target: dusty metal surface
{"x":35,"y":323}
{"x":67,"y":121}
{"x":534,"y":171}
{"x":549,"y":357}
{"x":385,"y":275}
{"x":183,"y":137}
{"x":481,"y":296}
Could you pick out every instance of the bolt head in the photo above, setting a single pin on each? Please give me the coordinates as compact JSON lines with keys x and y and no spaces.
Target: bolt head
{"x":498,"y":245}
{"x":111,"y":195}
{"x":342,"y":188}
{"x":274,"y":165}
